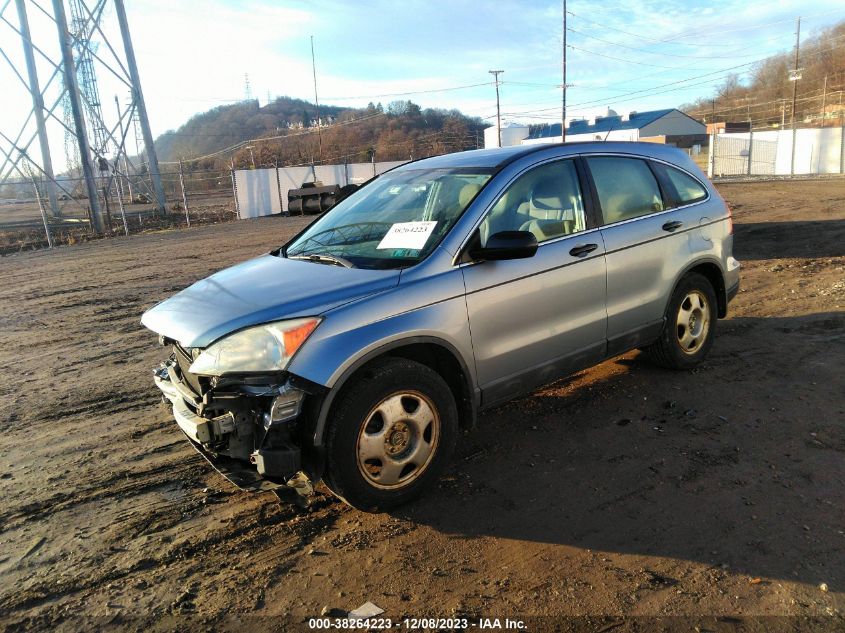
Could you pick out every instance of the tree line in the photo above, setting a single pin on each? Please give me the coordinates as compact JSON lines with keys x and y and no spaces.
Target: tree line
{"x":765,"y":98}
{"x":286,"y":132}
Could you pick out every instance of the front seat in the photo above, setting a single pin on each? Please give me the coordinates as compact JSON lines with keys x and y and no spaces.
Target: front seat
{"x":550,"y":216}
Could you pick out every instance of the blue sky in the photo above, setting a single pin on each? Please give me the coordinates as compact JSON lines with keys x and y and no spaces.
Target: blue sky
{"x":193,"y":54}
{"x":380,"y":48}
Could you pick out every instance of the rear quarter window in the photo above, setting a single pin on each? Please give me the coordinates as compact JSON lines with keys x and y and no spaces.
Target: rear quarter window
{"x":685,"y":188}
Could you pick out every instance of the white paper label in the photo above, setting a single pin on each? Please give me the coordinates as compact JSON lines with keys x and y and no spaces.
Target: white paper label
{"x":410,"y":235}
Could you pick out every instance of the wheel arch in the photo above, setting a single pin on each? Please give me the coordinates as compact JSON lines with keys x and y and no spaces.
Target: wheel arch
{"x":433,"y":352}
{"x":711,"y":269}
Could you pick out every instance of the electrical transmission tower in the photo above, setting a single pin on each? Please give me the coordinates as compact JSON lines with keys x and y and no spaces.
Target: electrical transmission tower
{"x":70,"y":47}
{"x":84,"y":49}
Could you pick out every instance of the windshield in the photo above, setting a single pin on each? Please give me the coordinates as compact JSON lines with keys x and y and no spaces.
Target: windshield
{"x":393,"y":222}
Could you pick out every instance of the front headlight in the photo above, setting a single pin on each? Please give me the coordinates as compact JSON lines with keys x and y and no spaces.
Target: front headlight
{"x":264,"y":348}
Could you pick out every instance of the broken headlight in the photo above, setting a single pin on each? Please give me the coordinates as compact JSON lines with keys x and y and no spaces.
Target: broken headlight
{"x":264,"y":348}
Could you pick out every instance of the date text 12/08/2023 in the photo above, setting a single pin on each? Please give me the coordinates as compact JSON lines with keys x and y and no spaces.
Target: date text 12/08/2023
{"x":416,"y":624}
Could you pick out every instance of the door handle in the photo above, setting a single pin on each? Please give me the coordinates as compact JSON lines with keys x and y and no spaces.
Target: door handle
{"x":674,"y":225}
{"x":583,"y":249}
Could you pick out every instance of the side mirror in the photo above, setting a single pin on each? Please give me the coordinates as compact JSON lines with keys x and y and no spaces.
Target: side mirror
{"x":505,"y":245}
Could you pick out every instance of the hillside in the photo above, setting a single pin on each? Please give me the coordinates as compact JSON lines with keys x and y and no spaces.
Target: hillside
{"x":399,"y":131}
{"x":766,"y":97}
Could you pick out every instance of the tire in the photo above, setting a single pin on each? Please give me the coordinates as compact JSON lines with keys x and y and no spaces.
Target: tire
{"x":393,"y":431}
{"x":690,"y":325}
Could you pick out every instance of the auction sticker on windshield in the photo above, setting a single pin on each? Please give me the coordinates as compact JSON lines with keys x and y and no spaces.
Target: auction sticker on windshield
{"x":411,"y":235}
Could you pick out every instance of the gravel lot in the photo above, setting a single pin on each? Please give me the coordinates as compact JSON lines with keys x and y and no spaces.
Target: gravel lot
{"x":624,"y":490}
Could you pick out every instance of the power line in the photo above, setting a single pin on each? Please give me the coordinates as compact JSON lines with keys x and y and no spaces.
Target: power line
{"x":642,"y":50}
{"x":721,"y":74}
{"x":621,"y":59}
{"x":720,"y":28}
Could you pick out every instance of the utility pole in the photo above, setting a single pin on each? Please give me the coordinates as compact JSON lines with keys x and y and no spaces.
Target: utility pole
{"x":140,"y":106}
{"x":72,"y":86}
{"x":38,"y":109}
{"x":496,"y":74}
{"x":316,"y":100}
{"x":563,"y":85}
{"x":824,"y":98}
{"x":795,"y":77}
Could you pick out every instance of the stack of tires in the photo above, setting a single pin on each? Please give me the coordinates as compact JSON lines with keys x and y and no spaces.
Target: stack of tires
{"x":314,"y":198}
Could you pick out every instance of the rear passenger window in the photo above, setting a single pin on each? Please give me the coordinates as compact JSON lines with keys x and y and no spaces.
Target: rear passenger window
{"x":687,"y":189}
{"x":626,"y":188}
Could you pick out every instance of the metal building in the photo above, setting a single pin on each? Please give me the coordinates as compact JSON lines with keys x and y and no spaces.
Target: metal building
{"x":663,"y":126}
{"x":656,"y":125}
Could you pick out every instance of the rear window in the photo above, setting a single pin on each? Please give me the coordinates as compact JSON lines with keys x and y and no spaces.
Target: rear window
{"x":626,"y":186}
{"x":686,"y":188}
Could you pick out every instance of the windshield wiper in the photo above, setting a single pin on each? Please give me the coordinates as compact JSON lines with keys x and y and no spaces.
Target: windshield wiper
{"x":323,"y":258}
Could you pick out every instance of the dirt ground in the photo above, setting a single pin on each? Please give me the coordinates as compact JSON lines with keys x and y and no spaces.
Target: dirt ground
{"x":712,"y":498}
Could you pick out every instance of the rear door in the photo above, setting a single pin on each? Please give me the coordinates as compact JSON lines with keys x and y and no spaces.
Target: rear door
{"x":645,"y":236}
{"x":536,"y":319}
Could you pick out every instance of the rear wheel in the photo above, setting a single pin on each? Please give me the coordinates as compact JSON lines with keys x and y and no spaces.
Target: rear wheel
{"x":690,"y":325}
{"x":393,"y":431}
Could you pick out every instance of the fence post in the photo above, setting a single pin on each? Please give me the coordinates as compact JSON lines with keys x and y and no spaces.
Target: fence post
{"x":711,"y":163}
{"x":842,"y":151}
{"x":279,"y":190}
{"x":184,"y":196}
{"x":750,"y":148}
{"x":792,"y":157}
{"x":120,"y":198}
{"x":43,"y":214}
{"x":108,"y":210}
{"x":235,"y":188}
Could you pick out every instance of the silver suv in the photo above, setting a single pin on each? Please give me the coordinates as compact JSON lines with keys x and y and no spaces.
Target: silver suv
{"x":446,"y":286}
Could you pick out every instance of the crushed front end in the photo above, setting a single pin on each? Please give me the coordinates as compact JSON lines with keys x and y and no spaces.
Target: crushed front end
{"x":249,"y":427}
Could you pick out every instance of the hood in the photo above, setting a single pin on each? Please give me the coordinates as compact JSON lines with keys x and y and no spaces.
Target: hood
{"x":261,"y":290}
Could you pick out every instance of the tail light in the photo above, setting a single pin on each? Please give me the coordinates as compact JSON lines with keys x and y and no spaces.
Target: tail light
{"x":730,"y":219}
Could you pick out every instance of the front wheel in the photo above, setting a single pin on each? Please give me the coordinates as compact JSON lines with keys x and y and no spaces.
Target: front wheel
{"x":392,"y":433}
{"x":690,"y":325}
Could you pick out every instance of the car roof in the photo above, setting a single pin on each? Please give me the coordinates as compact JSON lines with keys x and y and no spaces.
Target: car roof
{"x":497,"y":158}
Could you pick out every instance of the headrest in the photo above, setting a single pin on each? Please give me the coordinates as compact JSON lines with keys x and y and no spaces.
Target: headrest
{"x":467,"y":193}
{"x":547,"y":195}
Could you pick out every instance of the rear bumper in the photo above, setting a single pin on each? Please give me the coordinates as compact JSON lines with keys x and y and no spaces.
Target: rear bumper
{"x":733,"y":291}
{"x":732,"y":278}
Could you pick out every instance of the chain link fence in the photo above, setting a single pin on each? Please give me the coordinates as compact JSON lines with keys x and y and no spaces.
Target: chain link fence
{"x":127,"y":203}
{"x":777,"y":153}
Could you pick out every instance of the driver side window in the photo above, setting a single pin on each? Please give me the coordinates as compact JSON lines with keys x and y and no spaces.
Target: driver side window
{"x":546,"y":201}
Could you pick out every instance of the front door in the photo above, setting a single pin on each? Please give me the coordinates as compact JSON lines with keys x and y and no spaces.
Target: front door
{"x":534,"y":320}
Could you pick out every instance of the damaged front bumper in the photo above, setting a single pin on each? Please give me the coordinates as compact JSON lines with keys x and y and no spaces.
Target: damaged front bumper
{"x":245,"y":431}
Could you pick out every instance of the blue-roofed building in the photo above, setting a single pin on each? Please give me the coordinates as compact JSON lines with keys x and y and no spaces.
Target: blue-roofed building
{"x":662,"y":126}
